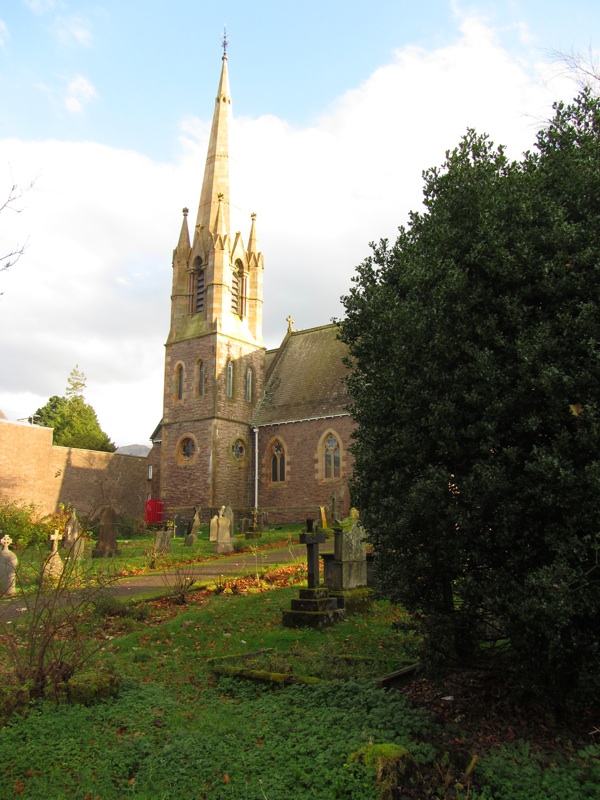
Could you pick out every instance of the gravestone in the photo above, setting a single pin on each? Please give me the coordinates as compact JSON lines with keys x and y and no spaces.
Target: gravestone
{"x":214,"y":527}
{"x":350,"y":555}
{"x":315,"y":607}
{"x":107,"y":535}
{"x":53,"y":565}
{"x":78,"y":548}
{"x":196,"y":522}
{"x":72,"y":530}
{"x":8,"y":568}
{"x":162,"y":542}
{"x":228,"y":512}
{"x":190,"y":540}
{"x":180,"y":526}
{"x":224,"y":544}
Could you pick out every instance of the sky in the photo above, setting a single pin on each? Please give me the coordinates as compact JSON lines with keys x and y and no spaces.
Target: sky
{"x":338,"y":107}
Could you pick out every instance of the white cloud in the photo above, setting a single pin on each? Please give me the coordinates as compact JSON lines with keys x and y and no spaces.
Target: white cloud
{"x":94,"y":286}
{"x":4,"y":34}
{"x":80,"y":92}
{"x":40,"y":6}
{"x":72,"y":30}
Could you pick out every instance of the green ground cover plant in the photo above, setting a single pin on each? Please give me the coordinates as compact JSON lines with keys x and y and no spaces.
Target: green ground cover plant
{"x":176,"y":730}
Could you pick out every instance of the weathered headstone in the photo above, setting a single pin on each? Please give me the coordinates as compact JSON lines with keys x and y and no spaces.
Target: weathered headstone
{"x":214,"y":527}
{"x":349,"y":569}
{"x":224,"y":544}
{"x":107,"y":535}
{"x":196,"y":521}
{"x":8,"y":568}
{"x":190,"y":540}
{"x":162,"y":542}
{"x":228,"y":512}
{"x":53,"y":565}
{"x":180,"y":526}
{"x":72,"y":529}
{"x":78,"y":548}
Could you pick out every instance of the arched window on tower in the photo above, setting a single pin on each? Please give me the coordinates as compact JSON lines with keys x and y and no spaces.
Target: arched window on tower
{"x":197,"y":290}
{"x":277,"y":462}
{"x":249,"y":386}
{"x":239,"y":289}
{"x":179,"y":382}
{"x":332,"y":457}
{"x":229,"y":379}
{"x":200,"y":378}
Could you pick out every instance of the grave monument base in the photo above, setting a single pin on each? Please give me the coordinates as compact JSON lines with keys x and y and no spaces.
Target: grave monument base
{"x":315,"y":608}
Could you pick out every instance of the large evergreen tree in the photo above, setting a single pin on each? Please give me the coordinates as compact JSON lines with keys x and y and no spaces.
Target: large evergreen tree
{"x":475,"y":351}
{"x":74,"y":421}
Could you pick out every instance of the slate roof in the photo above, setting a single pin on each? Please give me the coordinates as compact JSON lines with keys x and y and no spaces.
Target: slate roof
{"x":304,"y":378}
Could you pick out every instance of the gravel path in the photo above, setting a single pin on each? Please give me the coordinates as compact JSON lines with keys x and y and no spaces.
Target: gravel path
{"x":205,"y":572}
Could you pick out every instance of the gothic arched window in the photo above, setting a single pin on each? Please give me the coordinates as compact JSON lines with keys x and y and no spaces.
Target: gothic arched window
{"x":239,"y":289}
{"x":200,"y":288}
{"x":332,"y":457}
{"x":277,"y":462}
{"x":179,"y":382}
{"x":249,"y":387}
{"x":201,"y":376}
{"x":229,"y":379}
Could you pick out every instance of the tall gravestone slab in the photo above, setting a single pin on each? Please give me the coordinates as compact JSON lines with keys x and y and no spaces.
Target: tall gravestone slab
{"x":162,"y":542}
{"x":72,"y":530}
{"x":107,"y":535}
{"x":228,"y":513}
{"x":8,"y":568}
{"x":349,"y":568}
{"x":195,"y":527}
{"x":214,"y":527}
{"x":224,"y":543}
{"x":180,"y":526}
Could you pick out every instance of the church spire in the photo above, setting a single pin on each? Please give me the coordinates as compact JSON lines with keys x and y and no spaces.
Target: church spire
{"x":183,"y":245}
{"x":216,"y":172}
{"x":253,"y":239}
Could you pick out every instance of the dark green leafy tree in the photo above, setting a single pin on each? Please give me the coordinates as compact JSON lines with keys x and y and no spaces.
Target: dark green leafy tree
{"x":74,"y":421}
{"x":474,"y":345}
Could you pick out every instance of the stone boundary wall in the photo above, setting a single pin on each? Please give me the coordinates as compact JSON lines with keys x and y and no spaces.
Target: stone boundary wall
{"x":33,"y":470}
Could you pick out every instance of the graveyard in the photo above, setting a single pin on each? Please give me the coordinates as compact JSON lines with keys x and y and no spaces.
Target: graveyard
{"x":224,"y":692}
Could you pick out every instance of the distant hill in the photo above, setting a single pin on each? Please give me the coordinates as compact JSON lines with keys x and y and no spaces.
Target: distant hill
{"x":133,"y":450}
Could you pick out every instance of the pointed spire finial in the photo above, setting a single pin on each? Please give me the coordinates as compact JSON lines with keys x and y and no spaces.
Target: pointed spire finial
{"x":185,"y":212}
{"x":224,"y":41}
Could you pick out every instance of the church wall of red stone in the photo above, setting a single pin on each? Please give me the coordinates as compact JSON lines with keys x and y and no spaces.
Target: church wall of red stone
{"x":305,"y":488}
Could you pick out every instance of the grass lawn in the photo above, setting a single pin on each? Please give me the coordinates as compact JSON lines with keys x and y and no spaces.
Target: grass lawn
{"x":179,"y":730}
{"x":137,"y":555}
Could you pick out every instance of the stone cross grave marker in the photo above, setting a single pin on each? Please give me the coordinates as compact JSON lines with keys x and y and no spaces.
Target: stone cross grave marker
{"x":312,"y":541}
{"x":8,"y":568}
{"x":53,"y":565}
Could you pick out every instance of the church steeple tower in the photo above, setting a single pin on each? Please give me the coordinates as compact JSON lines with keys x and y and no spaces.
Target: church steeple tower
{"x":214,"y":364}
{"x":216,"y":171}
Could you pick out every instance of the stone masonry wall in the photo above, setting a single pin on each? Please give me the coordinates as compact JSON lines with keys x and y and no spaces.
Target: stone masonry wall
{"x":34,"y":471}
{"x":305,"y":487}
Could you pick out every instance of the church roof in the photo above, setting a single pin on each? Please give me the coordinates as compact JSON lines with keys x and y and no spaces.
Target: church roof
{"x":305,"y":378}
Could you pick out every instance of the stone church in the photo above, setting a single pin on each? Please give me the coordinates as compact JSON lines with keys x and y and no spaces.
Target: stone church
{"x":243,"y":426}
